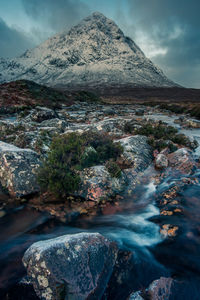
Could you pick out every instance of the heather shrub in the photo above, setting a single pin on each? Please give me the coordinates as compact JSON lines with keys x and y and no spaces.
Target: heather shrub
{"x":70,"y":154}
{"x":159,"y":136}
{"x":114,"y":169}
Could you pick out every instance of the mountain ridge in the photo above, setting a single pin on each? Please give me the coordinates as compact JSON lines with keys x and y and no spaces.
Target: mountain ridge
{"x":93,"y":53}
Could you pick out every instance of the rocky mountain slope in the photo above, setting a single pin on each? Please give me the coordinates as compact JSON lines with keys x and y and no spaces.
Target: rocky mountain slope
{"x":95,"y":53}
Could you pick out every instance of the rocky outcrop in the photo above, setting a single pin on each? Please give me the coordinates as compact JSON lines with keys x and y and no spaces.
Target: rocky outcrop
{"x":18,"y":170}
{"x":72,"y":266}
{"x":98,"y":184}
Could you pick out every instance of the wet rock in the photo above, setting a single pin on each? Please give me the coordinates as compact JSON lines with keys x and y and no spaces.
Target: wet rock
{"x":98,"y":184}
{"x":160,"y":289}
{"x":137,"y":156}
{"x":136,"y":296}
{"x":161,"y":161}
{"x":71,"y":267}
{"x":182,"y":160}
{"x":120,"y":284}
{"x":181,"y":120}
{"x":137,"y":152}
{"x":17,"y":170}
{"x":168,"y":230}
{"x":192,"y":124}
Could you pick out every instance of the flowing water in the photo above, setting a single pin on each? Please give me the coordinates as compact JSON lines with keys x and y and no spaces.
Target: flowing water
{"x":134,"y":228}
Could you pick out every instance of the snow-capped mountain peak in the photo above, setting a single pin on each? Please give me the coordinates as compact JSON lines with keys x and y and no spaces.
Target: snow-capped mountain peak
{"x":93,"y":53}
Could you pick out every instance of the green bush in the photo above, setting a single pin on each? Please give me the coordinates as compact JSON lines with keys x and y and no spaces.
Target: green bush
{"x":157,"y":144}
{"x":158,"y":131}
{"x":71,"y":153}
{"x":113,"y":169}
{"x":89,"y":158}
{"x":104,"y":146}
{"x":159,"y":134}
{"x":195,"y":112}
{"x":175,"y":108}
{"x":58,"y":171}
{"x":128,"y":127}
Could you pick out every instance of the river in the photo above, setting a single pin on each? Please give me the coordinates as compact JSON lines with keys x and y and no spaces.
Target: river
{"x":133,"y":227}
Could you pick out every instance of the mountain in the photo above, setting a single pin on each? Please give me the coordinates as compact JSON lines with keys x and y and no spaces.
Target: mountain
{"x":93,"y":54}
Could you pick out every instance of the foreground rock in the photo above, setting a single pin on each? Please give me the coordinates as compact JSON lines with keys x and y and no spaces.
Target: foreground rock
{"x":72,"y":266}
{"x":18,"y":170}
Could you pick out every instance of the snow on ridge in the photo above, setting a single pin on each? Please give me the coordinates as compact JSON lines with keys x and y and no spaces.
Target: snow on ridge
{"x":93,"y":52}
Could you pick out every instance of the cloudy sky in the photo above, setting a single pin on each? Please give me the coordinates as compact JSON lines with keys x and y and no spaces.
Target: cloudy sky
{"x":168,"y":31}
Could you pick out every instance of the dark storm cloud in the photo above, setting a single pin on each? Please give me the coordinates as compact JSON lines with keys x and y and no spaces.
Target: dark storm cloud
{"x":175,"y":26}
{"x":56,"y":14}
{"x":12,"y":41}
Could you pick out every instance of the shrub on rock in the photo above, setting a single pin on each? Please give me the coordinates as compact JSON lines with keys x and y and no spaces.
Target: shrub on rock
{"x":69,"y":154}
{"x":113,"y":169}
{"x":160,"y":135}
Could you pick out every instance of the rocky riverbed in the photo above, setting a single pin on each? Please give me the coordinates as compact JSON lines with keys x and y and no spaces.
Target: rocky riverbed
{"x":142,"y":226}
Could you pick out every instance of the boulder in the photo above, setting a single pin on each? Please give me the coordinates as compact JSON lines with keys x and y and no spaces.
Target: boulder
{"x":41,"y":114}
{"x":75,"y":266}
{"x":192,"y":124}
{"x":137,"y":152}
{"x":161,"y":161}
{"x":98,"y":184}
{"x":160,"y":289}
{"x":137,"y":156}
{"x":111,"y":125}
{"x":182,"y":160}
{"x":17,"y":170}
{"x":56,"y":123}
